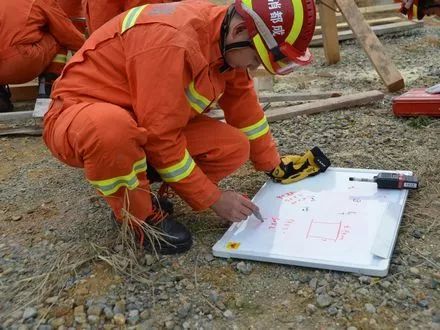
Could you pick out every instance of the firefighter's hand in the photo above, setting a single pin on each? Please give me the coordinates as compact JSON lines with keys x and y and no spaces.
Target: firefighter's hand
{"x":233,"y":206}
{"x":293,"y":168}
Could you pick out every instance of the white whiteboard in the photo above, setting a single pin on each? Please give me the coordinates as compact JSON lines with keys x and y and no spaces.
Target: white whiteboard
{"x":325,"y":221}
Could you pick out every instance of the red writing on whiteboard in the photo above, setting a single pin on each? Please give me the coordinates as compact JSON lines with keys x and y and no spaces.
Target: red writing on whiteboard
{"x":293,"y":197}
{"x":327,"y":230}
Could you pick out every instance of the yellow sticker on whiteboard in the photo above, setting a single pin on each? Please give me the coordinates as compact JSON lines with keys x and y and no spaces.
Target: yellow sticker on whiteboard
{"x":232,"y":245}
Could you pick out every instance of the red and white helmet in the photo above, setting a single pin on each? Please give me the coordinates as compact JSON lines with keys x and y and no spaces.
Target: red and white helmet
{"x":280,"y":30}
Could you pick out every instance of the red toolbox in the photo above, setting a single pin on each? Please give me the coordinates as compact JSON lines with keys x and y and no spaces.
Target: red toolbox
{"x":417,"y":102}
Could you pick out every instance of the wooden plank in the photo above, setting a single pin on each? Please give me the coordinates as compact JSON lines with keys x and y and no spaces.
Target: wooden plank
{"x":378,"y":30}
{"x":33,"y":131}
{"x":24,"y":92}
{"x":299,"y":97}
{"x":329,"y":31}
{"x":15,"y":115}
{"x":345,"y":101}
{"x":367,"y":11}
{"x":371,"y":22}
{"x":386,"y":69}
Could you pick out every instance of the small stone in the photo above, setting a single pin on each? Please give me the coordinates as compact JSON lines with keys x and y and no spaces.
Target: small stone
{"x":119,"y":307}
{"x":244,"y":268}
{"x":145,"y":314}
{"x":423,"y":303}
{"x":78,"y":310}
{"x":417,"y":233}
{"x":51,"y":300}
{"x":108,"y":313}
{"x":213,"y":296}
{"x":119,"y":319}
{"x":58,"y":322}
{"x":93,"y":319}
{"x":169,"y":324}
{"x":313,"y":283}
{"x":133,"y":317}
{"x":186,"y":325}
{"x":209,"y":257}
{"x":352,"y":328}
{"x":95,"y":310}
{"x":40,"y":327}
{"x":414,"y":271}
{"x":184,"y":310}
{"x":228,"y":314}
{"x":16,"y":217}
{"x":402,"y":293}
{"x":370,"y":308}
{"x":149,"y":259}
{"x":365,"y":279}
{"x":30,"y":313}
{"x":332,"y":310}
{"x":239,"y":302}
{"x":323,"y":300}
{"x":385,"y":284}
{"x":310,"y":309}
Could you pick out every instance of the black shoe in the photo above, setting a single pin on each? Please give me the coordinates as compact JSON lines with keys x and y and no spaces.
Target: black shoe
{"x":5,"y":99}
{"x":163,"y":204}
{"x":177,"y":238}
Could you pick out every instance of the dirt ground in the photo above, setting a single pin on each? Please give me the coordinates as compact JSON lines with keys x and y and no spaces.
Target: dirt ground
{"x":62,"y":263}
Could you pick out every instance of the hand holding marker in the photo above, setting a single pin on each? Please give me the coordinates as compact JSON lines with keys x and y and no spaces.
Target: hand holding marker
{"x":256,"y":212}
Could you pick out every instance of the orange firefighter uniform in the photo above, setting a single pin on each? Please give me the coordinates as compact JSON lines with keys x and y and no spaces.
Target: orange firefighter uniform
{"x":34,"y":37}
{"x":137,"y":93}
{"x":74,"y":10}
{"x":99,"y":12}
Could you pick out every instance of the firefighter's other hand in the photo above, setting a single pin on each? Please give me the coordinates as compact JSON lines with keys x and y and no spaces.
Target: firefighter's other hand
{"x":233,"y":206}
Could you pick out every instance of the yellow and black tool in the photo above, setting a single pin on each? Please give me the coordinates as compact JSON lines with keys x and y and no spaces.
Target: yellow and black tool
{"x":293,"y":168}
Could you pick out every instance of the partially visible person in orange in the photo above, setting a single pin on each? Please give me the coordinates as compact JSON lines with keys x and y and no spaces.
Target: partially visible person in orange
{"x":420,"y":8}
{"x":130,"y":107}
{"x":76,"y":13}
{"x":99,"y":12}
{"x":35,"y":36}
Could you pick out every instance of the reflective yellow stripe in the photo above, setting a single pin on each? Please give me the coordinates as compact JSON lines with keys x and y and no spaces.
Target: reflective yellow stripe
{"x":297,"y":21}
{"x":263,"y":53}
{"x":110,"y":186}
{"x":131,"y":17}
{"x":256,"y":130}
{"x":195,"y":99}
{"x":178,"y":171}
{"x":60,"y":58}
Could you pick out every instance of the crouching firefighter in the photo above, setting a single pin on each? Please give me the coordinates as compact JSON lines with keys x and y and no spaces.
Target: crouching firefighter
{"x":130,"y":106}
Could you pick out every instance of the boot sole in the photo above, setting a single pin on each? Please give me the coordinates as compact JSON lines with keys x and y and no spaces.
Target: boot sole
{"x":175,"y":248}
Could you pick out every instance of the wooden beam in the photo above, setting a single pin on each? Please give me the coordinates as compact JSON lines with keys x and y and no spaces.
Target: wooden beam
{"x":329,"y":31}
{"x":33,"y":131}
{"x":15,"y":115}
{"x":299,"y":96}
{"x":371,"y":22}
{"x":24,"y":92}
{"x":367,"y":11}
{"x":345,"y":101}
{"x":386,"y":69}
{"x":379,"y":30}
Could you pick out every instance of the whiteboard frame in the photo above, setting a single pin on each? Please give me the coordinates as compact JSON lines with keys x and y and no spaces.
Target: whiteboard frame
{"x":381,"y":269}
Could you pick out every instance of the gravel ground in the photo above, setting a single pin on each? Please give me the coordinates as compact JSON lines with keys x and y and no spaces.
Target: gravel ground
{"x":63,"y":264}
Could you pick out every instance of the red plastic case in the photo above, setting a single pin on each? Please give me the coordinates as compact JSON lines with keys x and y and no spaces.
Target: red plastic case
{"x":417,"y":102}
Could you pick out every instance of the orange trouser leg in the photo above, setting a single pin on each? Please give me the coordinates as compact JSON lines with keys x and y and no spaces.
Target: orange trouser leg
{"x":106,"y":141}
{"x":22,"y":63}
{"x":218,"y":148}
